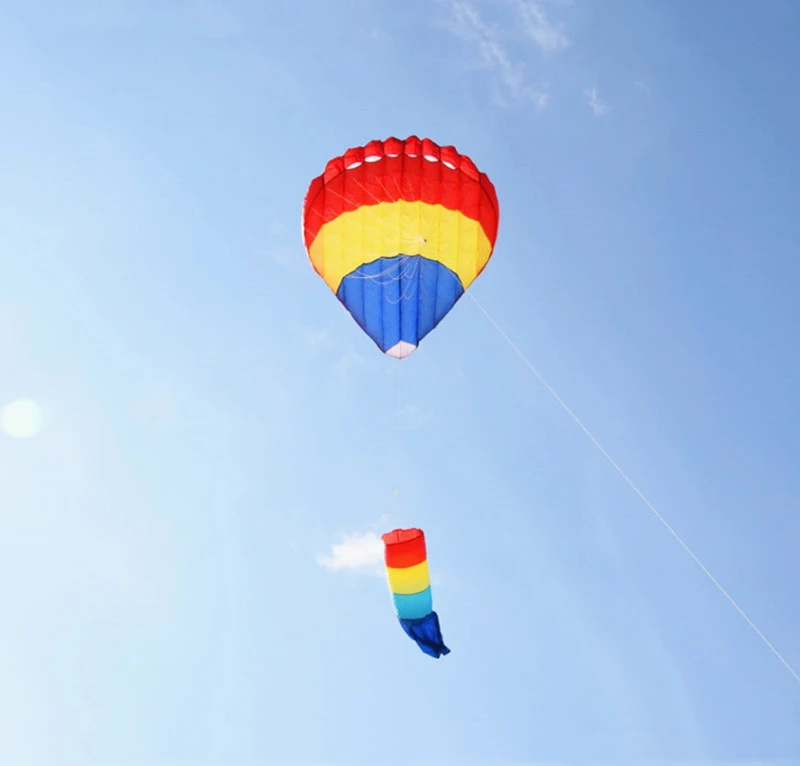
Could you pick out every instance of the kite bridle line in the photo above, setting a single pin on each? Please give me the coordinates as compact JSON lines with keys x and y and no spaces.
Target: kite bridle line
{"x":398,"y":436}
{"x":403,"y":271}
{"x":636,"y":489}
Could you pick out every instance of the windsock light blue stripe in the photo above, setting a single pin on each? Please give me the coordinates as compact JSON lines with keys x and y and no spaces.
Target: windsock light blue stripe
{"x":413,"y":606}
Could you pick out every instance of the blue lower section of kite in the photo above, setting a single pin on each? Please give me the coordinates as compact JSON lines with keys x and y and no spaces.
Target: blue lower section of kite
{"x":427,"y":633}
{"x":399,"y":300}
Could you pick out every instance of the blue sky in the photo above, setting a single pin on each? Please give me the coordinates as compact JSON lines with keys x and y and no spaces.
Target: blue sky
{"x":214,"y":423}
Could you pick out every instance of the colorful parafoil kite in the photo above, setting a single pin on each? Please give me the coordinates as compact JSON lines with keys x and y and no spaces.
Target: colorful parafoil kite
{"x":398,"y":230}
{"x":410,"y":584}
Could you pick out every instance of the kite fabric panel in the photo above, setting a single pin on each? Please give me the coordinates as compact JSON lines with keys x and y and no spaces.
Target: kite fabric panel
{"x":398,"y":230}
{"x":410,"y":585}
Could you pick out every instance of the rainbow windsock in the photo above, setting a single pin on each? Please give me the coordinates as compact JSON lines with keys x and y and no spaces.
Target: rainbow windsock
{"x":410,"y":585}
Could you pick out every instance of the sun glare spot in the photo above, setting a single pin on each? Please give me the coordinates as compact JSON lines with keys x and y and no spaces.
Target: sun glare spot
{"x":22,"y":419}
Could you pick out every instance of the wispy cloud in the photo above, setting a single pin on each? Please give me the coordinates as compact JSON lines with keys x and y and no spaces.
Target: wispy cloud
{"x":538,"y":27}
{"x":285,"y":255}
{"x":157,"y":405}
{"x":316,"y":338}
{"x":597,"y":105}
{"x":347,"y":361}
{"x":356,"y":551}
{"x":500,"y":33}
{"x":467,"y":24}
{"x":278,"y":243}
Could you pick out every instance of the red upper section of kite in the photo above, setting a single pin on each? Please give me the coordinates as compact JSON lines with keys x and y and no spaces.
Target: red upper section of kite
{"x":412,"y":170}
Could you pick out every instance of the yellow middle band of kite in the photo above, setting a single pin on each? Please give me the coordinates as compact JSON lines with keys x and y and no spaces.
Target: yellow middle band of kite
{"x":388,"y":229}
{"x":408,"y":580}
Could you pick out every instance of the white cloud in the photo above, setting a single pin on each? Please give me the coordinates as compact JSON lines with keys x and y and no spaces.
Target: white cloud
{"x":598,"y":106}
{"x":356,"y":551}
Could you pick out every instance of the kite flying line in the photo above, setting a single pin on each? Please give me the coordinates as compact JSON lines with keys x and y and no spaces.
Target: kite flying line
{"x":636,"y":489}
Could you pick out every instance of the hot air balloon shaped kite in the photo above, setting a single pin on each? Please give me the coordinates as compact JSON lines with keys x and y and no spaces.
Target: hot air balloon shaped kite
{"x":399,"y":229}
